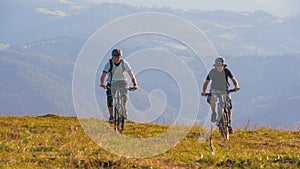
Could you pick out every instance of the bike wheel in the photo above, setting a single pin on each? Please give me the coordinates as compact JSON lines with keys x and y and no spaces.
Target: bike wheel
{"x":116,"y":118}
{"x":120,"y":117}
{"x":221,"y":129}
{"x":225,"y":125}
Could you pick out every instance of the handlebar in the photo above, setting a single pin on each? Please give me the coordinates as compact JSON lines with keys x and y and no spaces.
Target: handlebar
{"x":232,"y":90}
{"x":129,"y":89}
{"x":228,"y":91}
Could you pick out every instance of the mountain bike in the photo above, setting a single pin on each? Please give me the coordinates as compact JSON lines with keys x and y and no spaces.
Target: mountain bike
{"x":223,"y":120}
{"x":224,"y":125}
{"x":119,"y":110}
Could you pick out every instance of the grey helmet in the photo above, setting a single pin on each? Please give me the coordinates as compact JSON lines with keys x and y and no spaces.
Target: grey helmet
{"x":116,"y":52}
{"x":220,"y":61}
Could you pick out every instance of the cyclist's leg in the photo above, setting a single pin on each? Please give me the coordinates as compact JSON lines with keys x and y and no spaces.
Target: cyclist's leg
{"x":124,"y":95}
{"x":229,"y":112}
{"x":222,"y":100}
{"x":229,"y":122}
{"x":109,"y":103}
{"x":213,"y":101}
{"x":229,"y":109}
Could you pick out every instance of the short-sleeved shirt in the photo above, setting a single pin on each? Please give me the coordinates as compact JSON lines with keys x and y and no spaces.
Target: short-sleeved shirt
{"x":119,"y":71}
{"x":219,"y":79}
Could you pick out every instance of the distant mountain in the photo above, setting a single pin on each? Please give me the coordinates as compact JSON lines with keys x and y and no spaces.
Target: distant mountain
{"x":40,"y":42}
{"x":269,"y":92}
{"x":233,"y":33}
{"x":25,"y":21}
{"x":257,"y":33}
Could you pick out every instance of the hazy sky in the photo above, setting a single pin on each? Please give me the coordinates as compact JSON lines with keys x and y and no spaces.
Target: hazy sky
{"x":281,"y":8}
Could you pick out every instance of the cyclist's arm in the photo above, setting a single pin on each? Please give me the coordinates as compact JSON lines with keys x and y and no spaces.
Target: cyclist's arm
{"x":236,"y":83}
{"x":205,"y":84}
{"x":133,"y":79}
{"x":102,"y":78}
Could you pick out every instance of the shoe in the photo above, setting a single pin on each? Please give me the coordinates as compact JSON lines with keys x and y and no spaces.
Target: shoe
{"x":213,"y":117}
{"x":230,"y":130}
{"x":219,"y":125}
{"x":111,"y":119}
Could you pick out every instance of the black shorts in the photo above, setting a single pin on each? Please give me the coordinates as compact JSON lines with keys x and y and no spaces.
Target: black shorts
{"x":109,"y":96}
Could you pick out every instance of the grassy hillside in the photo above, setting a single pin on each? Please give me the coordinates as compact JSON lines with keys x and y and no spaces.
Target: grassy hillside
{"x":60,"y":142}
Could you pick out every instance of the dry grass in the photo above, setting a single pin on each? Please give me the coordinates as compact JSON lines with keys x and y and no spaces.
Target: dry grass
{"x":60,"y":142}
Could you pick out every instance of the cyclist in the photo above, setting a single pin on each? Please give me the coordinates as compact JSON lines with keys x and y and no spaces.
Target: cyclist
{"x":219,"y":86}
{"x":116,"y":70}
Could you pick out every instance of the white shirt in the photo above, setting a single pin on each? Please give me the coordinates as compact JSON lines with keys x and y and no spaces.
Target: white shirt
{"x":118,"y":71}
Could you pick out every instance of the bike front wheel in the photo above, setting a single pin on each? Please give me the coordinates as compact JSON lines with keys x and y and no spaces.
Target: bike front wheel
{"x":225,"y":125}
{"x":119,"y":117}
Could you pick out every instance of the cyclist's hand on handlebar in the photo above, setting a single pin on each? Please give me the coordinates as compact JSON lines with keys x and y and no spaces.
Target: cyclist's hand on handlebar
{"x":103,"y":85}
{"x":236,"y":88}
{"x":135,"y":88}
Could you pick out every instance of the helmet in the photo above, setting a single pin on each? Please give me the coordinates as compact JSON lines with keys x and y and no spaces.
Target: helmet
{"x":220,"y":61}
{"x":116,"y":52}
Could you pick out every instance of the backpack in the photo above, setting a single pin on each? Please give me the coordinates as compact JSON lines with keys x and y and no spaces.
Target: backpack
{"x":226,"y":75}
{"x":111,"y":67}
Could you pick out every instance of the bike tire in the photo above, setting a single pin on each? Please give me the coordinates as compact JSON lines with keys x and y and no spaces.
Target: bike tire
{"x":225,"y":125}
{"x":221,"y":130}
{"x":119,"y":122}
{"x":116,"y":118}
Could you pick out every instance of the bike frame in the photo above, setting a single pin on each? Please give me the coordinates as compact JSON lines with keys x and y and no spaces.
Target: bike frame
{"x":224,"y":123}
{"x":119,"y":110}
